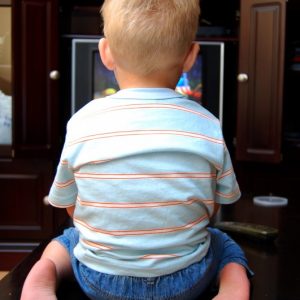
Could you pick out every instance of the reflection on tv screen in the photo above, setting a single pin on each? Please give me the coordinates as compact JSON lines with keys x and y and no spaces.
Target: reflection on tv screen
{"x":189,"y":84}
{"x":104,"y":81}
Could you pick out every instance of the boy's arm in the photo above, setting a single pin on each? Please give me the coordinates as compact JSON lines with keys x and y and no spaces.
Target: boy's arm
{"x":70,"y":211}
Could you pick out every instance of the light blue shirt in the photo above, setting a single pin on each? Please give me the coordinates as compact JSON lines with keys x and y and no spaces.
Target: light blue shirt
{"x":143,"y":168}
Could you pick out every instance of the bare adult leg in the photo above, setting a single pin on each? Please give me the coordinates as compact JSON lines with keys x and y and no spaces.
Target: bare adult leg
{"x":45,"y":275}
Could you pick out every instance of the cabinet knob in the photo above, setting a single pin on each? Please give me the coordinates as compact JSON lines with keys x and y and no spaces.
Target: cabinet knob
{"x":54,"y":75}
{"x":242,"y":77}
{"x":45,"y":200}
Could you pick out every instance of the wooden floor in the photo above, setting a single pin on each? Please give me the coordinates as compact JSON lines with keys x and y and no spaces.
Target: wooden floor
{"x":2,"y":274}
{"x":276,"y":264}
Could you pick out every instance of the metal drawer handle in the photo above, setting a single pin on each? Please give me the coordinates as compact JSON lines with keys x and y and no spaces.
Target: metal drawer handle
{"x":46,"y":200}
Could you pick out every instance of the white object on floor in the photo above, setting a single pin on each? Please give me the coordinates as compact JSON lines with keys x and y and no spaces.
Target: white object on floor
{"x":270,"y":201}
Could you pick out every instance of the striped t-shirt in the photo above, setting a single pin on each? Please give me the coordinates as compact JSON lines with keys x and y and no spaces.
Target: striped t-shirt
{"x":143,"y":167}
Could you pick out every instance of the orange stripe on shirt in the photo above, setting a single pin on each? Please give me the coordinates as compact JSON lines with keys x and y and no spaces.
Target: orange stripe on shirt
{"x":145,"y":132}
{"x":142,"y":204}
{"x":226,"y":173}
{"x":144,"y":176}
{"x":160,"y":106}
{"x":61,"y":185}
{"x":230,"y":195}
{"x":208,"y":202}
{"x":94,"y":162}
{"x":59,"y":206}
{"x":64,"y":162}
{"x":140,"y":232}
{"x":159,"y":256}
{"x":96,"y":245}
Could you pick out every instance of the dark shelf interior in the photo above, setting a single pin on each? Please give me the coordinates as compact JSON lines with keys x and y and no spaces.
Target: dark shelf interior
{"x":291,"y":109}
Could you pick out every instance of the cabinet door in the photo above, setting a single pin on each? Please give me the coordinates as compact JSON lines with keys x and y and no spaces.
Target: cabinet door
{"x":261,"y":62}
{"x":35,"y":46}
{"x":23,"y":215}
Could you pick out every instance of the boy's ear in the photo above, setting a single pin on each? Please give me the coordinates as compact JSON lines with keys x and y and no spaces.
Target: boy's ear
{"x":105,"y":54}
{"x":191,"y":57}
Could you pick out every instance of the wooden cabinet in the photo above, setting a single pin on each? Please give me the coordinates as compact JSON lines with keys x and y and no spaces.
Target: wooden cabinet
{"x":260,"y":90}
{"x":26,"y":175}
{"x":23,"y":216}
{"x":27,"y":167}
{"x":35,"y":45}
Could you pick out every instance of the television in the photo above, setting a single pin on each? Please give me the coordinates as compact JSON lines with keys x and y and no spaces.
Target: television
{"x":203,"y":83}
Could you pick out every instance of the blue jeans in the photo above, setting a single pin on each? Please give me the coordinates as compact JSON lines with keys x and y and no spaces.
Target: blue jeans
{"x":188,"y":283}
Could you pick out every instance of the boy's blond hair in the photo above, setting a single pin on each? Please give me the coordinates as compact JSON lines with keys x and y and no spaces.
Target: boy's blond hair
{"x":150,"y":35}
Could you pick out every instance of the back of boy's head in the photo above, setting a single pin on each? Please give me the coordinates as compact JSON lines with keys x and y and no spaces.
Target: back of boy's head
{"x":150,"y":35}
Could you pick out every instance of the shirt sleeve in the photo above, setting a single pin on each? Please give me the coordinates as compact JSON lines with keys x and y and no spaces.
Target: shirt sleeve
{"x":227,"y":188}
{"x":63,"y":192}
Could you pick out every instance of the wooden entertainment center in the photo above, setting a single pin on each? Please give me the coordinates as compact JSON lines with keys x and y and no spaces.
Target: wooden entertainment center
{"x":260,"y":123}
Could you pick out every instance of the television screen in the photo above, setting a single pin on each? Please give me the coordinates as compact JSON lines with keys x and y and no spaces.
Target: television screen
{"x":104,"y":81}
{"x":203,"y":83}
{"x":190,"y":83}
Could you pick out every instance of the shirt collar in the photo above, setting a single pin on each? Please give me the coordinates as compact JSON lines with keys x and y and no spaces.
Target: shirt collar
{"x":146,"y":94}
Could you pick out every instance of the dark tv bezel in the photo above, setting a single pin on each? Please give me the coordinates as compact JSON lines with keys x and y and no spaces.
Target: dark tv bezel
{"x":213,"y":53}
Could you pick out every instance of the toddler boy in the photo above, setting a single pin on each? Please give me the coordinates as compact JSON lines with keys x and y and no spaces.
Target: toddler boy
{"x":142,"y":172}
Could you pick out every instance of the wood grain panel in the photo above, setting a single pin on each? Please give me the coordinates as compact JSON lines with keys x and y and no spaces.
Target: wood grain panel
{"x":23,"y":185}
{"x":35,"y":45}
{"x":260,"y":98}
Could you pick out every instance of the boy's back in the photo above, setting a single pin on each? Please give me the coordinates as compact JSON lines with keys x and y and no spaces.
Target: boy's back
{"x":147,"y":167}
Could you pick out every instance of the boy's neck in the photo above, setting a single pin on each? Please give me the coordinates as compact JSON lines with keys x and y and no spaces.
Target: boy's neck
{"x":162,"y":79}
